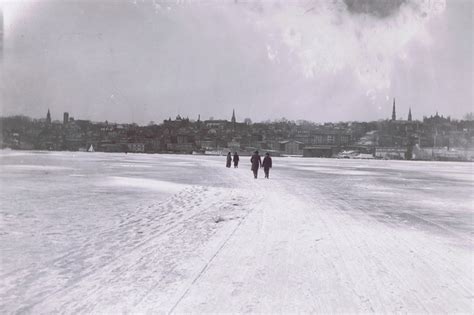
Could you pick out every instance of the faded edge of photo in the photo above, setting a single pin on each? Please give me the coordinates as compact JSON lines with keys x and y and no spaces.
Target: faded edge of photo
{"x":1,"y":35}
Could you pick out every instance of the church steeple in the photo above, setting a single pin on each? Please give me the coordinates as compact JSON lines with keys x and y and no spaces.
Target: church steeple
{"x":233,"y":116}
{"x":48,"y":117}
{"x":394,"y":115}
{"x":409,"y":114}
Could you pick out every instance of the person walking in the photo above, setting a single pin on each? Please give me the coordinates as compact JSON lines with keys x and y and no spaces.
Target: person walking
{"x":236,"y":160}
{"x":229,"y":160}
{"x":256,"y":163}
{"x":267,"y":164}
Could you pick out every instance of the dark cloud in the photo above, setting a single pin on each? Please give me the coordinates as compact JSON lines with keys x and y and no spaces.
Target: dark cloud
{"x":378,"y":8}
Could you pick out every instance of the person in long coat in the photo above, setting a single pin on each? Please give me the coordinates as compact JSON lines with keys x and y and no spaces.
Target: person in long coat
{"x":229,"y":160}
{"x":236,"y":160}
{"x":267,"y":164}
{"x":256,"y":161}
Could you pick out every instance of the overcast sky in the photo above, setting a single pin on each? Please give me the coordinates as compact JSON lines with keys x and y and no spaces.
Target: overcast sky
{"x":138,"y":61}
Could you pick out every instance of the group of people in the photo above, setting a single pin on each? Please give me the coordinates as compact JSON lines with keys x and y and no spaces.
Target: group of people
{"x":256,"y":162}
{"x":235,"y":159}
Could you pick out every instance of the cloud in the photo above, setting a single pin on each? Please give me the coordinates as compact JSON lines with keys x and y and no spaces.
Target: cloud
{"x":325,"y":37}
{"x":321,"y":60}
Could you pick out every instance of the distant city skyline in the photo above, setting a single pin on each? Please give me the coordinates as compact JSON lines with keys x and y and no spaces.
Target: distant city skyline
{"x":65,"y":116}
{"x":141,"y":61}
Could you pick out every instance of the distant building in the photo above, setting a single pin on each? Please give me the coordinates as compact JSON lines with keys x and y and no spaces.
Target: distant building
{"x":291,"y":147}
{"x":208,"y":144}
{"x":183,"y":139}
{"x":48,"y":118}
{"x":136,"y":147}
{"x":390,"y":153}
{"x":319,"y":151}
{"x":177,"y":123}
{"x":216,"y":123}
{"x":394,"y":114}
{"x":437,"y":119}
{"x":156,"y":145}
{"x":65,"y":118}
{"x":331,"y":137}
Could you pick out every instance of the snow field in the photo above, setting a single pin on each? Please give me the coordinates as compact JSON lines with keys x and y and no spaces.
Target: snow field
{"x":93,"y":232}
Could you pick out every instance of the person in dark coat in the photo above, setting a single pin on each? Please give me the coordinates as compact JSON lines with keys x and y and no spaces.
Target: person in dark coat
{"x":267,"y":164}
{"x":229,"y":160}
{"x":256,"y":163}
{"x":236,"y":160}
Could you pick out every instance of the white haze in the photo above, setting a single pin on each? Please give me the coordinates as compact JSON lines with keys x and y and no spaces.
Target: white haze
{"x":318,"y":60}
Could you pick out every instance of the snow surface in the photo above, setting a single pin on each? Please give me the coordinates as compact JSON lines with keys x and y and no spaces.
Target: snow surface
{"x":95,"y":232}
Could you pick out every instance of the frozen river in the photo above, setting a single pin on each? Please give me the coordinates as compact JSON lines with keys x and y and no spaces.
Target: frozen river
{"x":96,"y":232}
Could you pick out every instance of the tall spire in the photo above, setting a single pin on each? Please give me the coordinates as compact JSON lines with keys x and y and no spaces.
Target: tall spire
{"x":394,"y":115}
{"x":409,"y":114}
{"x":233,"y":116}
{"x":48,"y":117}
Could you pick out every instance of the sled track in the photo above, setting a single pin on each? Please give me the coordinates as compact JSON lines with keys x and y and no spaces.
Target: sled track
{"x":205,"y":268}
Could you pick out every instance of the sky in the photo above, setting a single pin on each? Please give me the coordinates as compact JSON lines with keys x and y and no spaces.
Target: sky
{"x":326,"y":60}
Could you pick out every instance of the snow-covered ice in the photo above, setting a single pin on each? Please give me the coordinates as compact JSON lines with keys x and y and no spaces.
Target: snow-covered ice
{"x":97,"y":232}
